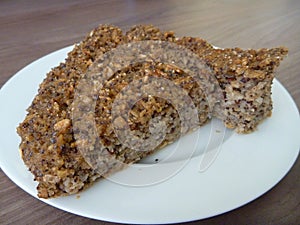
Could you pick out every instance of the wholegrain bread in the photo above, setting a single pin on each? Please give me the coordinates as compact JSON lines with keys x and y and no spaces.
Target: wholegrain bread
{"x":49,"y":147}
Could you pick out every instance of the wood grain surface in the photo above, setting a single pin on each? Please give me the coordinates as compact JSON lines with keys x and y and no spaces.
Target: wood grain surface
{"x":31,"y":29}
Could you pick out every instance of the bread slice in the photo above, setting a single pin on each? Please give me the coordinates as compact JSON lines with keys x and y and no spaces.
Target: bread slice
{"x":49,"y":147}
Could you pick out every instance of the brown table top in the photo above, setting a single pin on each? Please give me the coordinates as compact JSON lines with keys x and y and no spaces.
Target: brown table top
{"x":31,"y":29}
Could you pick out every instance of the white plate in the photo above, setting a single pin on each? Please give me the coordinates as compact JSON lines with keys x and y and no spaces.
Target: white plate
{"x":247,"y":165}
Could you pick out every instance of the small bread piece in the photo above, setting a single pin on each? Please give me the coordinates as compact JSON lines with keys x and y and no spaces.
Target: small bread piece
{"x":49,"y":148}
{"x":245,"y":77}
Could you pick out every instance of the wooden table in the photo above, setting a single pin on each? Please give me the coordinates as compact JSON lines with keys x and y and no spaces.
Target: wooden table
{"x":31,"y":29}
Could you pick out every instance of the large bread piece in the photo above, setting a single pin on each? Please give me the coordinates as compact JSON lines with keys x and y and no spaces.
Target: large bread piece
{"x":49,"y":148}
